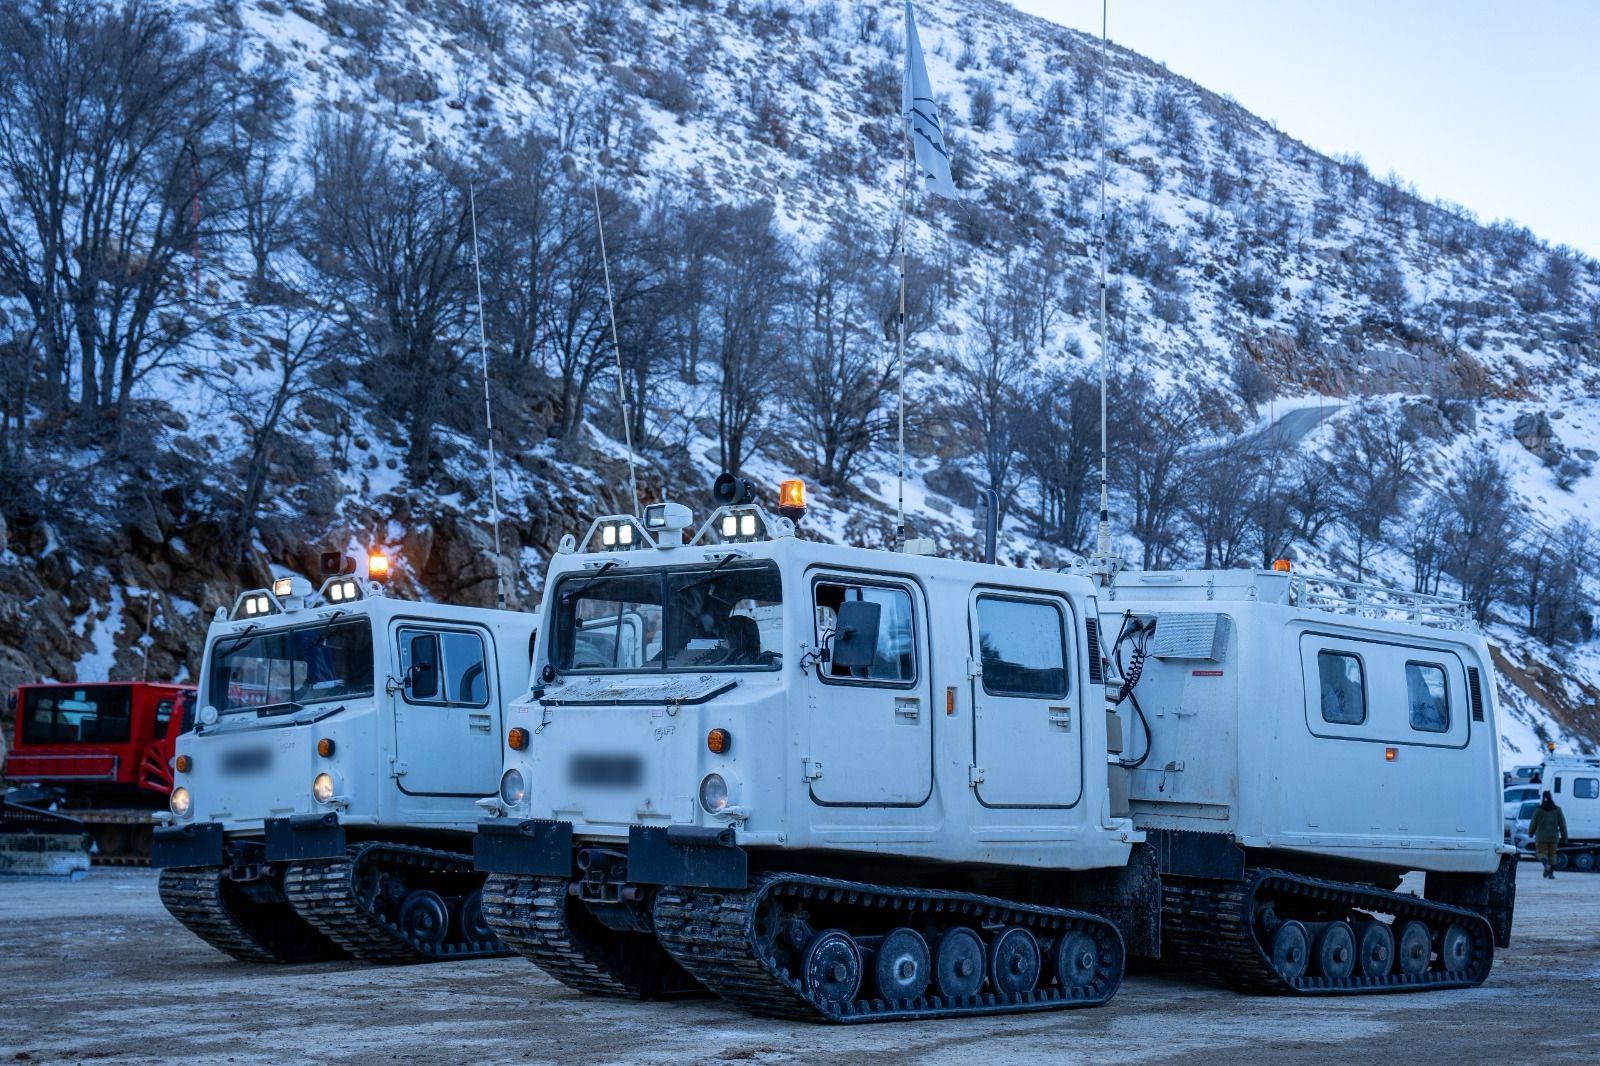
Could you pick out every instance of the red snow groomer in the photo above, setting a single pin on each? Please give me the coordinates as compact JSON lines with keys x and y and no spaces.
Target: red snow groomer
{"x":107,"y":749}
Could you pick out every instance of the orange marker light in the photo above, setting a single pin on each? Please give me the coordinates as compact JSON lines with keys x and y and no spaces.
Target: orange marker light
{"x":183,"y":764}
{"x":1283,"y":566}
{"x":718,"y":741}
{"x":950,"y":701}
{"x":1390,"y":754}
{"x":792,"y":499}
{"x":378,"y":566}
{"x":325,"y":747}
{"x":517,"y":739}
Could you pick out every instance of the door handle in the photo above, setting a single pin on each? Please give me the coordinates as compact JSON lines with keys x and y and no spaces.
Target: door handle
{"x":907,"y":708}
{"x":1061,"y":717}
{"x":478,"y":723}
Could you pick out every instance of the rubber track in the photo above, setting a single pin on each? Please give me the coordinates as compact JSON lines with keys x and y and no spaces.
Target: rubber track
{"x":533,"y":918}
{"x":1206,"y":926}
{"x":711,"y":932}
{"x":194,"y":897}
{"x":324,"y":894}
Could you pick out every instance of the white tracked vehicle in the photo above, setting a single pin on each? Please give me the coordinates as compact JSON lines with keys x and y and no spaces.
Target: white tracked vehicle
{"x":323,"y":803}
{"x":846,"y":784}
{"x":1573,"y":781}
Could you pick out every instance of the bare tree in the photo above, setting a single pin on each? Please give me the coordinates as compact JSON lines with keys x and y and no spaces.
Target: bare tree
{"x":753,"y":268}
{"x":394,"y":236}
{"x":1376,"y":468}
{"x":1221,"y":484}
{"x":1482,"y":537}
{"x":1152,"y":436}
{"x":990,"y":372}
{"x":1060,"y":445}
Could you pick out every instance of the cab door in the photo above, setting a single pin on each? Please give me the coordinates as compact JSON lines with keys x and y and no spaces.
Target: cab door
{"x":1026,"y":721}
{"x":446,"y":710}
{"x":871,"y":731}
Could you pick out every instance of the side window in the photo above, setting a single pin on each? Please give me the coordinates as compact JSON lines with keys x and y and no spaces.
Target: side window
{"x":1428,"y":697}
{"x":1344,"y":688}
{"x":1586,"y":788}
{"x":1023,"y":645}
{"x":163,"y":716}
{"x":444,"y":666}
{"x":894,"y":660}
{"x":466,"y":674}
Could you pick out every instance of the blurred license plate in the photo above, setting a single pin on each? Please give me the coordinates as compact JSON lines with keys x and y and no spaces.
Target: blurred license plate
{"x":606,"y":771}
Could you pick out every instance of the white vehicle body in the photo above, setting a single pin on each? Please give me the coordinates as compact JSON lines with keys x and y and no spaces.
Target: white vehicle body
{"x":1574,"y":784}
{"x":1320,"y":728}
{"x":932,"y":764}
{"x":397,"y":761}
{"x":1515,"y":797}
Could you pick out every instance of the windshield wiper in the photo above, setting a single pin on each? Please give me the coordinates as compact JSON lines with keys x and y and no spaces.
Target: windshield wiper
{"x":229,"y":642}
{"x":322,"y":634}
{"x":706,"y":578}
{"x":265,"y":707}
{"x":596,"y":576}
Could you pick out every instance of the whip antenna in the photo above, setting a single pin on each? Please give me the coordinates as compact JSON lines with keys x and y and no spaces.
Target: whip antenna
{"x":611,"y":310}
{"x":488,"y":409}
{"x":1104,"y":561}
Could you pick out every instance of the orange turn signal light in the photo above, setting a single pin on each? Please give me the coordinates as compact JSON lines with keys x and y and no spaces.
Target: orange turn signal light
{"x":325,"y":747}
{"x":517,"y":739}
{"x":1390,"y":754}
{"x":718,"y":741}
{"x":183,"y":763}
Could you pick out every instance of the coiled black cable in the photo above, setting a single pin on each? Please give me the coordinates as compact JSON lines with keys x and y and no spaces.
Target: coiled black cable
{"x":1138,"y":634}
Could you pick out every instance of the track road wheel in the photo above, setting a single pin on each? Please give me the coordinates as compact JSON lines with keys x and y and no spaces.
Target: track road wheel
{"x":1076,"y":958}
{"x":1014,"y":961}
{"x":1336,"y":951}
{"x":903,"y":966}
{"x":1455,"y":949}
{"x":425,"y":917}
{"x":832,"y":968}
{"x":958,"y":964}
{"x":473,"y":925}
{"x":1375,"y":950}
{"x":1414,"y":949}
{"x":1583,"y":862}
{"x":1291,"y":950}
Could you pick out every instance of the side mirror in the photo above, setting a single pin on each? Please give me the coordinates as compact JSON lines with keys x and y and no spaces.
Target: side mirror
{"x":422,"y":676}
{"x":855,"y":641}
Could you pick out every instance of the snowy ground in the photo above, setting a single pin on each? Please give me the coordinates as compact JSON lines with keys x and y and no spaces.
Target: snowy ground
{"x":96,"y":970}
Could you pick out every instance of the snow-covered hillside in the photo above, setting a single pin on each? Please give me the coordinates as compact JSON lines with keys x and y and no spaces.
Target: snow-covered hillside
{"x":1250,"y":278}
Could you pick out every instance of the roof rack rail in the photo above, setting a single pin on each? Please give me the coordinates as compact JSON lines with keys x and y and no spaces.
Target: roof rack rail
{"x":1377,"y":601}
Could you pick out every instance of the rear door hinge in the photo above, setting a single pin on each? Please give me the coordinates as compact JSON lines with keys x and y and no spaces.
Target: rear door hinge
{"x":397,"y":768}
{"x":810,"y":769}
{"x":974,"y":776}
{"x":974,"y":668}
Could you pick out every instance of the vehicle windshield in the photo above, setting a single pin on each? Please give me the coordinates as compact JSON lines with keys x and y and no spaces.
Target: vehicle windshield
{"x":1527,"y":810}
{"x":66,"y":715}
{"x":725,"y":616}
{"x":290,"y":667}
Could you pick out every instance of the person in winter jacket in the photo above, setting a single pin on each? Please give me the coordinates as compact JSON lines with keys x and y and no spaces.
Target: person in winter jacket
{"x":1548,"y":828}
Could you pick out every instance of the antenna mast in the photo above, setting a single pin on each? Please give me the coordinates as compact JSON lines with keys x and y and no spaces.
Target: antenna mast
{"x":1104,"y":563}
{"x":488,"y":409}
{"x":900,"y":348}
{"x":611,"y":310}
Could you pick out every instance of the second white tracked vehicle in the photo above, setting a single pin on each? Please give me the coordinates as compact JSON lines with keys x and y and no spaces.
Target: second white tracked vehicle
{"x":324,"y":800}
{"x":846,"y":784}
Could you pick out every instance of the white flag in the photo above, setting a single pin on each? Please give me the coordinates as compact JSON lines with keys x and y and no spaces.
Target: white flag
{"x":921,"y":113}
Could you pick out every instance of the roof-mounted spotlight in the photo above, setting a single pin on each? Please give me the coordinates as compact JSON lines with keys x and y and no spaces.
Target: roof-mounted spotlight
{"x":616,"y":533}
{"x":667,"y":520}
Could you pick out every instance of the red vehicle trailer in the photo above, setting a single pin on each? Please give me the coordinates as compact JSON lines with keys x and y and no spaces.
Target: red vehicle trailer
{"x":108,"y":747}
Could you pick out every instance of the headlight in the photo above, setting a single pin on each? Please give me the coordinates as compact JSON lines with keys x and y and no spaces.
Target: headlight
{"x":179,"y":802}
{"x":322,"y":788}
{"x":713,"y":793}
{"x":512,"y":788}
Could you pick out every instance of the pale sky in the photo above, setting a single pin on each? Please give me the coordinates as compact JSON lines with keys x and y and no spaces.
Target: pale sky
{"x":1491,"y":104}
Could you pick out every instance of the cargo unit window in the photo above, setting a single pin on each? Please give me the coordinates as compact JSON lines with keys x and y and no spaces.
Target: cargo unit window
{"x":444,"y":666}
{"x":1344,"y":688}
{"x":1586,"y":788}
{"x":1428,"y":697}
{"x":1024,"y":648}
{"x":894,"y":656}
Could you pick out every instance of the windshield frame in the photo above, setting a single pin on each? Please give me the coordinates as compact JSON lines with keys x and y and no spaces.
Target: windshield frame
{"x":561,"y":630}
{"x":316,"y":628}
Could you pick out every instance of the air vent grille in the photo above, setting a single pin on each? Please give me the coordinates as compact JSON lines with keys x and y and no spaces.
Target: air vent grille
{"x":1475,"y":690}
{"x":1096,"y":669}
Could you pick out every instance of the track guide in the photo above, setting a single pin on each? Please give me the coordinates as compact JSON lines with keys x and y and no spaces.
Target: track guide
{"x":218,"y":912}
